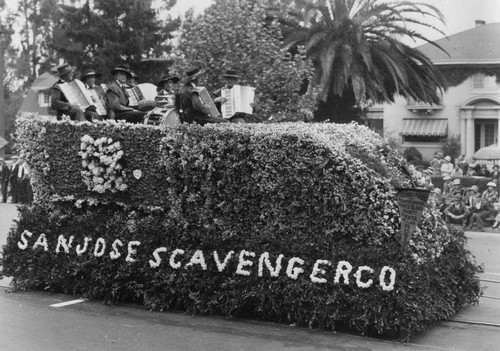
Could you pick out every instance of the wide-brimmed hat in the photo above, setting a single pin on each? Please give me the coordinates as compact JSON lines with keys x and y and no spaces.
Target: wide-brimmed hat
{"x":474,"y":188}
{"x":436,"y":191}
{"x":65,"y":69}
{"x":439,"y":154}
{"x":446,"y":177}
{"x":493,"y":184}
{"x":90,"y":72}
{"x":448,"y":158}
{"x":167,"y":78}
{"x":14,"y":158}
{"x":456,"y":181}
{"x":121,"y":68}
{"x":230,"y":73}
{"x":193,"y":74}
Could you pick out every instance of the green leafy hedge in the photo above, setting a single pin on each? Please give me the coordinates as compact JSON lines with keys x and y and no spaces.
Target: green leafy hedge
{"x":286,"y":193}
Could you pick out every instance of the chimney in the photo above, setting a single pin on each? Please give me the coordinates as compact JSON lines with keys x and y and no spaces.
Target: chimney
{"x":480,"y":23}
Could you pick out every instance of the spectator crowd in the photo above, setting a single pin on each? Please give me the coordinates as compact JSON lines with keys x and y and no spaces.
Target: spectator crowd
{"x":460,"y":205}
{"x":14,"y":181}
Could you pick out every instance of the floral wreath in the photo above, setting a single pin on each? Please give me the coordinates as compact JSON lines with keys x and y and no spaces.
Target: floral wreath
{"x":102,"y":164}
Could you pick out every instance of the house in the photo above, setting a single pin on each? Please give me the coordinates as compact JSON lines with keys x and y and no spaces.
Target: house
{"x":38,"y":97}
{"x":469,"y":109}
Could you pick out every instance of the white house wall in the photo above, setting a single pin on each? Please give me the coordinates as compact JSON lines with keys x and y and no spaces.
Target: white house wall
{"x":454,"y":99}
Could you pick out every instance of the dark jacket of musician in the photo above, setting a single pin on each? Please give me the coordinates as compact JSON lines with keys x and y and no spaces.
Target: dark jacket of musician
{"x":117,"y":102}
{"x":59,"y":102}
{"x":192,"y":109}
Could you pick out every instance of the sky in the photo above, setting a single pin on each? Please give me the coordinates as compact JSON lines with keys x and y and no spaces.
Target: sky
{"x":460,"y":15}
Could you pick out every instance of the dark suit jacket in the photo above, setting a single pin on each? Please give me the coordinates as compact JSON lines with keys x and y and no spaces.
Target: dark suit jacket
{"x":116,"y":100}
{"x":4,"y":172}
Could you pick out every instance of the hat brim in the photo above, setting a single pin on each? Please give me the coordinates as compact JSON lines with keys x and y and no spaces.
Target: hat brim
{"x":194,"y":76}
{"x":69,"y":69}
{"x":116,"y":70}
{"x":97,"y":75}
{"x":173,"y":79}
{"x":230,"y":76}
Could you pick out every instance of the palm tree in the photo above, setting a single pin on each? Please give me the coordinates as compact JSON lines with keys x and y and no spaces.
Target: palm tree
{"x":358,"y":50}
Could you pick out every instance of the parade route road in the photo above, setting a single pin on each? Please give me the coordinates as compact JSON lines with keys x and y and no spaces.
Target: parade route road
{"x":41,"y":321}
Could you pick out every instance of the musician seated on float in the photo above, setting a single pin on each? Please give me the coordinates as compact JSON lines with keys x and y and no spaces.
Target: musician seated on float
{"x":133,"y":79}
{"x":189,"y":104}
{"x":166,"y":89}
{"x":117,"y":102}
{"x":230,"y":79}
{"x":89,"y":78}
{"x":59,"y":102}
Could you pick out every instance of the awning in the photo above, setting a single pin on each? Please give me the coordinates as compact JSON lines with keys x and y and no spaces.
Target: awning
{"x":425,"y":127}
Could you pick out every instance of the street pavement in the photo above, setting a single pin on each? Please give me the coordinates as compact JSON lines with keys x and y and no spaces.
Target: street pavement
{"x":28,"y":322}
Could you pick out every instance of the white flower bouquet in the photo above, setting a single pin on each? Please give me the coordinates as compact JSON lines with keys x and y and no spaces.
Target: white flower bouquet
{"x":102,"y":164}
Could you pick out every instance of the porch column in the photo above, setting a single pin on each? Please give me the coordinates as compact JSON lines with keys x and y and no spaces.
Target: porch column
{"x":498,"y":128}
{"x":469,"y":149}
{"x":463,"y":130}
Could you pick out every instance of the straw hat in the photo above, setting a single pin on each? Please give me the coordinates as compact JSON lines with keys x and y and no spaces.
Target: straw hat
{"x":493,"y":184}
{"x":474,"y":188}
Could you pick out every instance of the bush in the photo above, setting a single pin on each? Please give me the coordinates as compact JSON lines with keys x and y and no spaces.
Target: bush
{"x":315,"y":197}
{"x":411,"y":154}
{"x":451,"y":146}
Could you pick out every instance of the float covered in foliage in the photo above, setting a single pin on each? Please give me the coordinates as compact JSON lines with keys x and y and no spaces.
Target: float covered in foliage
{"x":292,"y":223}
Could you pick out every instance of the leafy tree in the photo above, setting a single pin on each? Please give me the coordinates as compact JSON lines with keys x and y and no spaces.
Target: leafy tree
{"x":103,"y":33}
{"x":358,"y":51}
{"x":231,"y":35}
{"x":13,"y":101}
{"x":36,"y":18}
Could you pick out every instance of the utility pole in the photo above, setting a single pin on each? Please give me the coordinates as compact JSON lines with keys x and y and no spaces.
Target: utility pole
{"x":2,"y":76}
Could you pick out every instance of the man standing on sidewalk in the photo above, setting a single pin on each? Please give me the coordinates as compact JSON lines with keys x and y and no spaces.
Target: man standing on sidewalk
{"x":4,"y":179}
{"x":15,"y":180}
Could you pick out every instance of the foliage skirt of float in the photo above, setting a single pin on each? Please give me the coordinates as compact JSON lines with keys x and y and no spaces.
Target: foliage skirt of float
{"x":294,"y":223}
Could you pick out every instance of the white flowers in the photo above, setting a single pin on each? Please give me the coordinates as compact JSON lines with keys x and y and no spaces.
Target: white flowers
{"x":101,"y":162}
{"x":244,"y":263}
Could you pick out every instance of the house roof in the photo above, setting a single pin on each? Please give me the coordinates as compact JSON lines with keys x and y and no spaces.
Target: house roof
{"x":479,"y":45}
{"x":44,"y":81}
{"x":30,"y":103}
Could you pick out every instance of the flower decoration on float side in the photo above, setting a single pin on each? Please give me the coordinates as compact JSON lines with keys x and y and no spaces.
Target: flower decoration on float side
{"x":102,"y":162}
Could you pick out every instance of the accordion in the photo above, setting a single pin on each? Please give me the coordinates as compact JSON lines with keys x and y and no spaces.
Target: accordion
{"x":77,"y":94}
{"x":238,"y":99}
{"x":143,"y":91}
{"x":207,"y":100}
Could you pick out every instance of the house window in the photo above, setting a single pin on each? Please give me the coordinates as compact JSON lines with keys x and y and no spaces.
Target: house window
{"x":44,"y":98}
{"x":422,"y":138}
{"x":486,"y":133}
{"x":478,"y":81}
{"x":376,"y":124}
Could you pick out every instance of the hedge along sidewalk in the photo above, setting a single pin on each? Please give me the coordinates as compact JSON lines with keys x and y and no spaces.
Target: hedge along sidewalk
{"x":319,"y":196}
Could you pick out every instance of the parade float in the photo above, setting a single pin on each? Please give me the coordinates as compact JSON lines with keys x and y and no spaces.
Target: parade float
{"x":292,"y":223}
